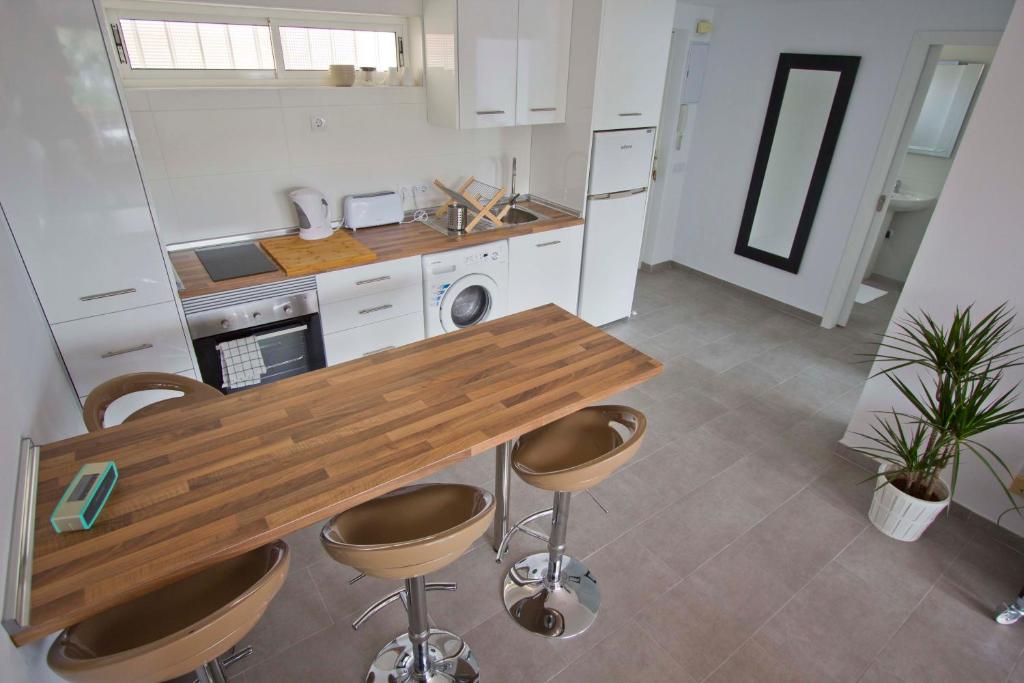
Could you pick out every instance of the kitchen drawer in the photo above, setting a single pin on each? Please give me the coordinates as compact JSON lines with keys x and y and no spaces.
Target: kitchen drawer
{"x":370,"y":339}
{"x":126,"y":405}
{"x":349,"y":283}
{"x":140,"y":340}
{"x":372,"y":308}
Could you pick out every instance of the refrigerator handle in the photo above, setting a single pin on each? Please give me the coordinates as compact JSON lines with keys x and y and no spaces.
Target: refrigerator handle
{"x":616,"y":195}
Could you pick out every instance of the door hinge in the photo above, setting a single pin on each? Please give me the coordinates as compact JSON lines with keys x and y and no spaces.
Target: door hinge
{"x":881,"y":202}
{"x":115,"y":31}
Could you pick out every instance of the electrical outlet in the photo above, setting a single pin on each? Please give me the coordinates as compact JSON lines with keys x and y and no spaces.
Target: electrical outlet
{"x":1017,"y":485}
{"x":317,"y":122}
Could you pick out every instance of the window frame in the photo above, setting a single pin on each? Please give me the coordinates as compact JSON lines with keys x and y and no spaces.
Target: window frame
{"x":116,"y":10}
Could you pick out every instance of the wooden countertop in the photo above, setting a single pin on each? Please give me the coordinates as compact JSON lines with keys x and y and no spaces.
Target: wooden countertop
{"x":388,"y":241}
{"x":202,"y":483}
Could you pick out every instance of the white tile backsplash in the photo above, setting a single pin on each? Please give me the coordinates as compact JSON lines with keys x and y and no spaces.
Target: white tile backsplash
{"x":220,"y":161}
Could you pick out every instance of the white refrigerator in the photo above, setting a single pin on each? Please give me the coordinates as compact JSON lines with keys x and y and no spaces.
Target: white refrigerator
{"x":620,"y":174}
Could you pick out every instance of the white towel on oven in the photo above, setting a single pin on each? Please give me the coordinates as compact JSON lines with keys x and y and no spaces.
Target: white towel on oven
{"x":241,"y":363}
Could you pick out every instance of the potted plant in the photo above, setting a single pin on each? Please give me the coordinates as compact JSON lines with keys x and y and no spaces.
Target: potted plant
{"x":957,"y":396}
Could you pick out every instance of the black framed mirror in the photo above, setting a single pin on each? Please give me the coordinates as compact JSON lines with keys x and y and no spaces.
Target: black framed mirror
{"x":805,"y":114}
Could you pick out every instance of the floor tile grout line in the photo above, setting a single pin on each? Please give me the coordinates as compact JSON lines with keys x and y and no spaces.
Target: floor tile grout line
{"x":783,"y":606}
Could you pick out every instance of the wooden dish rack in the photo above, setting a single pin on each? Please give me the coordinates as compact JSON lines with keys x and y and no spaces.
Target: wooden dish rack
{"x":477,"y":195}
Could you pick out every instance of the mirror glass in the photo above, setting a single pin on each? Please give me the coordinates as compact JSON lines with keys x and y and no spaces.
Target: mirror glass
{"x":805,"y":112}
{"x":945,"y":108}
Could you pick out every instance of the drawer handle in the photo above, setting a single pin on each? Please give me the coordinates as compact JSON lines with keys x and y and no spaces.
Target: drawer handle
{"x":487,"y":112}
{"x":382,"y":278}
{"x":543,"y":108}
{"x":131,"y":349}
{"x":375,"y":309}
{"x":632,"y":113}
{"x":549,"y":244}
{"x":381,"y":349}
{"x":104,"y":295}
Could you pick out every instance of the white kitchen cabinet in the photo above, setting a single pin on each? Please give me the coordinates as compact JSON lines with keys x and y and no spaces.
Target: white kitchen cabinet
{"x":384,"y":276}
{"x":370,"y":339}
{"x":543,"y":60}
{"x":147,"y":339}
{"x":369,"y":309}
{"x":544,"y":268}
{"x":496,"y":63}
{"x":631,"y":61}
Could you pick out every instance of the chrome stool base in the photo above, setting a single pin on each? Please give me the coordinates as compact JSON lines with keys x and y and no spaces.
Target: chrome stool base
{"x":451,"y":661}
{"x":562,"y":610}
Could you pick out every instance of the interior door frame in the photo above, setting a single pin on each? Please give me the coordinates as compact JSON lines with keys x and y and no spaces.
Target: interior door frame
{"x":867,"y":224}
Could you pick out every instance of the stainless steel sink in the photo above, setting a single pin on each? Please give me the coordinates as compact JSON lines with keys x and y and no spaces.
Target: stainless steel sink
{"x":517,"y":216}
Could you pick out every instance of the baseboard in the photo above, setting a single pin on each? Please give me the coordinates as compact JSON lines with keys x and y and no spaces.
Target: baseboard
{"x":982,"y":524}
{"x":657,"y":267}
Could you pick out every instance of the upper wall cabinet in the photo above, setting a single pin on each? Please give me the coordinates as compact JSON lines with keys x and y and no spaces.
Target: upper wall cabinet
{"x":631,"y":61}
{"x":496,"y":62}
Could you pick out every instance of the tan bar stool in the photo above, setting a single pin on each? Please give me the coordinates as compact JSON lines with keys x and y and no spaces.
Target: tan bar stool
{"x":551,"y":593}
{"x":406,"y":534}
{"x":101,"y":397}
{"x":176,"y":629}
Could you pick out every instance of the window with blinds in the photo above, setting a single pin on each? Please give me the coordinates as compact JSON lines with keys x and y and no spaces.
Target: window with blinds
{"x":155,"y":44}
{"x":315,"y":49}
{"x":204,"y":43}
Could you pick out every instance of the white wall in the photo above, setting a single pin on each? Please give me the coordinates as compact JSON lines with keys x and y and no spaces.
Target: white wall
{"x":219,"y":161}
{"x":971,"y":253}
{"x":666,"y":193}
{"x":39,"y":402}
{"x":748,"y":37}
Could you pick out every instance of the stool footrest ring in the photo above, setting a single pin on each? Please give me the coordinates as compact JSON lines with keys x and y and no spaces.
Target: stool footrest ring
{"x":400,"y":594}
{"x":521,"y":526}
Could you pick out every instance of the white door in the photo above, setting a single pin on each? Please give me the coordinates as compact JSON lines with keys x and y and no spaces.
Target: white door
{"x":611,"y":254}
{"x":543,"y":58}
{"x":631,"y":61}
{"x":471,"y":300}
{"x":544,"y":268}
{"x":487,"y":62}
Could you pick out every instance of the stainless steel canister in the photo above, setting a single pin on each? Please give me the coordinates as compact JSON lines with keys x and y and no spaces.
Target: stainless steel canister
{"x":457,"y":215}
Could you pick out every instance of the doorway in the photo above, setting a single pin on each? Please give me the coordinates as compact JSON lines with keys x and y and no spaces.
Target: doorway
{"x":941,"y":80}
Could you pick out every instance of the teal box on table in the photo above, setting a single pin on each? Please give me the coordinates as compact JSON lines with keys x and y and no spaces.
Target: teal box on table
{"x":84,"y":497}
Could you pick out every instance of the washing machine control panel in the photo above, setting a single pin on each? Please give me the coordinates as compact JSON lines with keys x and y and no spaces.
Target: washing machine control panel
{"x":494,"y":255}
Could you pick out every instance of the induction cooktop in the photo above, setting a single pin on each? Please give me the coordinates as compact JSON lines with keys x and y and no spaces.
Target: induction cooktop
{"x":235,"y":260}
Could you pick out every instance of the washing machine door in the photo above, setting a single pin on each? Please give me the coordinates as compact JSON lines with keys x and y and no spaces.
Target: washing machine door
{"x":470,"y":300}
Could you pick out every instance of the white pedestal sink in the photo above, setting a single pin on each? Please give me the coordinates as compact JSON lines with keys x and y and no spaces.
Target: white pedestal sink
{"x":902,"y":201}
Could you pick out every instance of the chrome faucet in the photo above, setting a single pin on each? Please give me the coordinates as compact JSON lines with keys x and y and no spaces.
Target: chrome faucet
{"x":513,"y":195}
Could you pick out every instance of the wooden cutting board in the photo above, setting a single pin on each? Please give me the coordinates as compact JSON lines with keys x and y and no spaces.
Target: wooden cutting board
{"x":307,"y":257}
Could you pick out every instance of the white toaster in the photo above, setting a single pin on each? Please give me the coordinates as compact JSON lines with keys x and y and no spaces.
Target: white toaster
{"x":375,"y":208}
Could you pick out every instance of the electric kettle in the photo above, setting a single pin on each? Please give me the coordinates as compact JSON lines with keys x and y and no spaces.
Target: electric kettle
{"x":314,"y":223}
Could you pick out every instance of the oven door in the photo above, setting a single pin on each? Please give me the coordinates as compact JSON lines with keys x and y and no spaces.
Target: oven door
{"x":243,"y":359}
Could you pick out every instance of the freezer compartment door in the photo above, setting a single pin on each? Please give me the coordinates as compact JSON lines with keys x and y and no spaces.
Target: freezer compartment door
{"x":611,"y":255}
{"x":621,"y":160}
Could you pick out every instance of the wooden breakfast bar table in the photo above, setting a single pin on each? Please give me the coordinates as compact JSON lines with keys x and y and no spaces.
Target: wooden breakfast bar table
{"x":202,"y":483}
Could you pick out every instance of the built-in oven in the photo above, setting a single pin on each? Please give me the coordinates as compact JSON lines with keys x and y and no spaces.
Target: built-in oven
{"x":257,"y":335}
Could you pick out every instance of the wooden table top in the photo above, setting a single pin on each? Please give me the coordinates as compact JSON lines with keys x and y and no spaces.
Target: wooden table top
{"x":388,"y":242}
{"x":205,"y":482}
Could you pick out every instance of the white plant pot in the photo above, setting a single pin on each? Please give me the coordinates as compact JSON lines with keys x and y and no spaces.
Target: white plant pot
{"x":902,"y":516}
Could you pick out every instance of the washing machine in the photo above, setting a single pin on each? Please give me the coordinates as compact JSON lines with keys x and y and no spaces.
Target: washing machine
{"x":465,"y":287}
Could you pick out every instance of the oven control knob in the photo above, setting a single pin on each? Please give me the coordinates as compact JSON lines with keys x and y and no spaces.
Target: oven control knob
{"x":257,"y":315}
{"x":287,"y":309}
{"x":225,"y":324}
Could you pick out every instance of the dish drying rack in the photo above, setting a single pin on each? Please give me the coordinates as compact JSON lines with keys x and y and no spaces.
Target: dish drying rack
{"x":477,"y":195}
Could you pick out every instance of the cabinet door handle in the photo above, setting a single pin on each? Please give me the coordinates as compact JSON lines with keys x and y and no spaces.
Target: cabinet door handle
{"x":104,"y":295}
{"x":632,"y":113}
{"x":383,"y":307}
{"x":130,"y":349}
{"x":486,"y":112}
{"x":382,"y":278}
{"x":548,"y":244}
{"x":383,"y":348}
{"x":543,"y":108}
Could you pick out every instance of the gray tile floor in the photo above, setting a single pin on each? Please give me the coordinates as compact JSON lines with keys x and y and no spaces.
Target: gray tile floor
{"x":735,"y":546}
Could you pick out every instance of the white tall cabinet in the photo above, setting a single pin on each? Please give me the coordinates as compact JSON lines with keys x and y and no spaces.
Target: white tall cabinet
{"x":493,"y":63}
{"x":72,"y":192}
{"x":631,"y":60}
